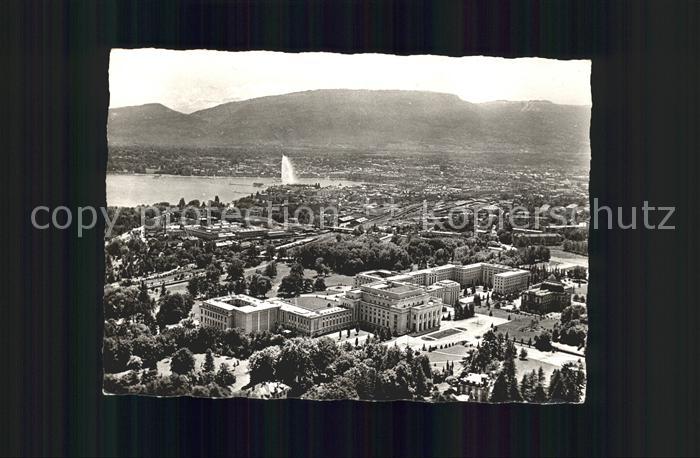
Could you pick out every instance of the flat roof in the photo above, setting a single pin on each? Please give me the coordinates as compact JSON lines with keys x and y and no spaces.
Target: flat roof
{"x":399,"y":288}
{"x":313,"y":302}
{"x":446,"y":283}
{"x":431,"y":302}
{"x":287,"y":307}
{"x":240,"y":302}
{"x":297,"y":310}
{"x":393,"y":287}
{"x":331,"y":310}
{"x":512,"y":273}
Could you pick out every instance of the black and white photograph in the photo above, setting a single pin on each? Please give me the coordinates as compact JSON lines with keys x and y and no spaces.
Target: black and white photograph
{"x":362,"y":227}
{"x":351,"y":228}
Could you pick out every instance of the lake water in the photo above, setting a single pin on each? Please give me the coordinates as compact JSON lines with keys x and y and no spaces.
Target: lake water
{"x":129,"y":190}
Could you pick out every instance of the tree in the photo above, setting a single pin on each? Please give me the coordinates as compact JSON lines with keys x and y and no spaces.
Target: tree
{"x":235,"y":270}
{"x":239,"y":286}
{"x":294,"y":366}
{"x":307,"y":285}
{"x":148,"y":348}
{"x":193,"y":287}
{"x":259,"y":285}
{"x":320,"y":267}
{"x":271,"y":269}
{"x":469,"y":312}
{"x":182,"y":362}
{"x":115,"y":247}
{"x":292,"y":285}
{"x":527,"y":386}
{"x":297,"y":269}
{"x":487,"y":353}
{"x":523,"y":354}
{"x":505,"y":388}
{"x":116,"y":354}
{"x":543,"y":341}
{"x":120,"y":303}
{"x":262,"y":365}
{"x":173,"y":308}
{"x":213,"y":273}
{"x":250,"y":256}
{"x":323,"y":353}
{"x":224,"y":377}
{"x":339,"y":388}
{"x":572,"y":312}
{"x":319,"y":284}
{"x":269,"y":251}
{"x":539,"y":393}
{"x":143,"y":296}
{"x":209,"y":361}
{"x":567,"y":384}
{"x":572,"y":332}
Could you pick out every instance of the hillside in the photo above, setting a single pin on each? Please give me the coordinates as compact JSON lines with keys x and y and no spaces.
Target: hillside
{"x":358,"y":118}
{"x":153,"y":124}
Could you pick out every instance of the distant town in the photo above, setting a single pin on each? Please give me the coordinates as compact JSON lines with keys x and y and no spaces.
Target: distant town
{"x":444,"y":280}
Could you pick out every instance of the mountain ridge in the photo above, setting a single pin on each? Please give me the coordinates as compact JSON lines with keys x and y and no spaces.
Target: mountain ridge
{"x":327,"y":117}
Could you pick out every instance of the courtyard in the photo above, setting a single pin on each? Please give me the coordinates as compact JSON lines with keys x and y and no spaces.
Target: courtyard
{"x":469,"y":330}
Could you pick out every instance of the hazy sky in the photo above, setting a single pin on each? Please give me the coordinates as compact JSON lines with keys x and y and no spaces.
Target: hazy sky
{"x":192,"y":80}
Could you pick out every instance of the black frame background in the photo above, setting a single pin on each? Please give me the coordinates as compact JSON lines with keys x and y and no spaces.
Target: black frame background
{"x":643,"y":350}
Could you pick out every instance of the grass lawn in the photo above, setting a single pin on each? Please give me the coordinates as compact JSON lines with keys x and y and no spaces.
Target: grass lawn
{"x":499,"y":313}
{"x":519,"y":326}
{"x":523,"y":367}
{"x":331,"y":280}
{"x":535,"y":360}
{"x":338,"y":279}
{"x":452,"y":354}
{"x":443,"y":333}
{"x":313,"y":303}
{"x":282,"y":271}
{"x":581,"y":290}
{"x":559,"y":256}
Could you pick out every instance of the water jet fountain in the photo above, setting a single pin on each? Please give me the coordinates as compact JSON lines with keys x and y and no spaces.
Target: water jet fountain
{"x":288,"y":175}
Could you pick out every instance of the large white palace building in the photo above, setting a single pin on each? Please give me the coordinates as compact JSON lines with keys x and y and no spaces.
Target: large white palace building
{"x":402,"y":303}
{"x":503,"y":279}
